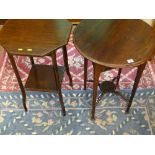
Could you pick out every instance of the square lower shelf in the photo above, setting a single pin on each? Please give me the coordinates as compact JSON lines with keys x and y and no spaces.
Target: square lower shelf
{"x":41,"y":78}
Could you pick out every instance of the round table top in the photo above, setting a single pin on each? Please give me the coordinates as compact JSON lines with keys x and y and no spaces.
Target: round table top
{"x":115,"y":43}
{"x":34,"y":37}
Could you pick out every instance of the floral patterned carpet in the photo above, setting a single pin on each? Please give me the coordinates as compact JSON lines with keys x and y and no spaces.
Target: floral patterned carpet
{"x":8,"y":80}
{"x":44,"y":115}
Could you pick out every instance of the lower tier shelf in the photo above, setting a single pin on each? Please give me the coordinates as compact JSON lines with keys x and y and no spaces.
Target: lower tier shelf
{"x":41,"y":78}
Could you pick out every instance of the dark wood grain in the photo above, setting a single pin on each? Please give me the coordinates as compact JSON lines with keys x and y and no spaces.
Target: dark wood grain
{"x":42,"y":36}
{"x":112,"y":42}
{"x":41,"y":78}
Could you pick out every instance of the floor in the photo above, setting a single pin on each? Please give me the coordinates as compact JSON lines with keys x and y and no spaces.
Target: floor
{"x":44,"y":116}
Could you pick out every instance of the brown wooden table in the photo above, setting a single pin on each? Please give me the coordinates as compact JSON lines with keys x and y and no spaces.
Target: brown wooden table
{"x":38,"y":38}
{"x":115,"y":44}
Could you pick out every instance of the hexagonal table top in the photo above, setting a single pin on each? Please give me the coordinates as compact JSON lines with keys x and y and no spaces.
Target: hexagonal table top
{"x":34,"y":37}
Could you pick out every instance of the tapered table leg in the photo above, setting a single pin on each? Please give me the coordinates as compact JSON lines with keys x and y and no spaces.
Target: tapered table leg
{"x":97,"y":70}
{"x":85,"y":72}
{"x":57,"y":80}
{"x":137,"y":79}
{"x":18,"y":79}
{"x":118,"y":76}
{"x":31,"y":60}
{"x":66,"y":65}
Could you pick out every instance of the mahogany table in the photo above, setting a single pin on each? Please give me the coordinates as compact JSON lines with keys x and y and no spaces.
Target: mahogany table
{"x":38,"y":38}
{"x":112,"y":43}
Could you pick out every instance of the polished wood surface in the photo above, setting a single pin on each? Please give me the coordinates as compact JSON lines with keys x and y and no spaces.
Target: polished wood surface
{"x":34,"y":37}
{"x":41,"y":78}
{"x":113,"y":42}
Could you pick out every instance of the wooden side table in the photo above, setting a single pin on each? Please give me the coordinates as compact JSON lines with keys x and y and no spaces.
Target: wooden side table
{"x":115,"y":44}
{"x":38,"y":38}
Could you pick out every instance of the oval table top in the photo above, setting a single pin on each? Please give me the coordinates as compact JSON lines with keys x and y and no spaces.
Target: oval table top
{"x":34,"y":37}
{"x":115,"y":43}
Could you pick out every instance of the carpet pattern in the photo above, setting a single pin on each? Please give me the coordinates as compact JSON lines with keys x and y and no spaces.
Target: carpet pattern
{"x":44,"y":115}
{"x":8,"y":81}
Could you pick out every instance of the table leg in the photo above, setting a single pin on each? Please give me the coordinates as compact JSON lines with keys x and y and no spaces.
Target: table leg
{"x":66,"y":65}
{"x":56,"y":74}
{"x":18,"y":79}
{"x":31,"y":60}
{"x":85,"y":72}
{"x":97,"y":70}
{"x":118,"y":76}
{"x":137,"y":79}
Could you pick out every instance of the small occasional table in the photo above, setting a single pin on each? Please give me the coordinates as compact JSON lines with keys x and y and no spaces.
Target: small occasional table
{"x":38,"y":38}
{"x":112,"y":43}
